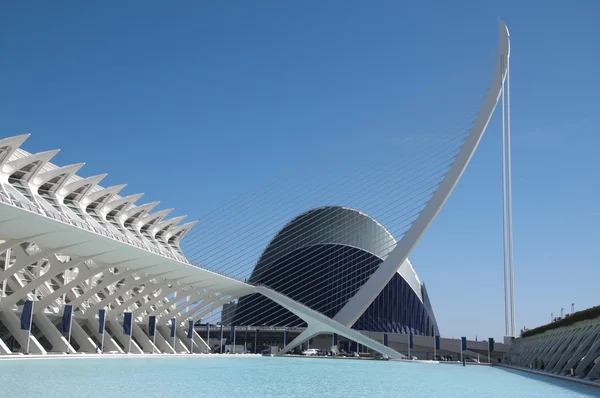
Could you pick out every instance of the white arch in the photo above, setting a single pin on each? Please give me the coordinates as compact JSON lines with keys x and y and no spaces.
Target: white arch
{"x":353,"y":309}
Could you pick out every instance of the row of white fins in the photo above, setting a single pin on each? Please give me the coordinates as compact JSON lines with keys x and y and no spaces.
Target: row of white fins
{"x":34,"y":171}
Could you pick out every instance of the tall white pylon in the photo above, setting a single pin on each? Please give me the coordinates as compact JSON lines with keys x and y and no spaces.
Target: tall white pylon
{"x":507,"y":232}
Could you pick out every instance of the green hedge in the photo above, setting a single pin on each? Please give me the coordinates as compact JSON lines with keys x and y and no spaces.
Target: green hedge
{"x":584,"y":315}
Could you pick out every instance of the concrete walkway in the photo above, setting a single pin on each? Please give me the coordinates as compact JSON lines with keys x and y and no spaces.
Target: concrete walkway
{"x":572,"y":379}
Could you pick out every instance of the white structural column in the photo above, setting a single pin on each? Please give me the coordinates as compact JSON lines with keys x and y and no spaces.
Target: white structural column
{"x":123,"y":291}
{"x":567,"y":350}
{"x":592,"y":335}
{"x":582,"y":336}
{"x":107,"y":280}
{"x":86,"y":343}
{"x":52,"y":334}
{"x":3,"y":348}
{"x":13,"y":324}
{"x":507,"y":233}
{"x":590,"y":356}
{"x":56,"y":267}
{"x":117,"y":329}
{"x":110,"y":344}
{"x":594,"y":373}
{"x":564,"y":346}
{"x":160,"y":295}
{"x":200,"y":312}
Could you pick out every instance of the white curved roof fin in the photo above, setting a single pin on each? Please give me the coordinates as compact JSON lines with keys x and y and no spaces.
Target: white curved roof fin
{"x":126,"y":201}
{"x":162,"y":226}
{"x":88,"y":183}
{"x":9,"y":145}
{"x":63,"y":172}
{"x":94,"y":196}
{"x":155,"y":217}
{"x":176,"y":233}
{"x":144,"y":209}
{"x":38,"y":161}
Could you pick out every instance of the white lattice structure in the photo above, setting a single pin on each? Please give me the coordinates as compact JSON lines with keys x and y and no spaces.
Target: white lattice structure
{"x":65,"y":239}
{"x":569,"y":350}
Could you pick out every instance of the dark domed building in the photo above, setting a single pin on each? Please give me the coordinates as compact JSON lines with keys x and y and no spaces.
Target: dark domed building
{"x":321,"y":258}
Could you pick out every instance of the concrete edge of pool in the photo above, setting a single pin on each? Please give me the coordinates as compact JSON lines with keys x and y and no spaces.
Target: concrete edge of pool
{"x":589,"y":383}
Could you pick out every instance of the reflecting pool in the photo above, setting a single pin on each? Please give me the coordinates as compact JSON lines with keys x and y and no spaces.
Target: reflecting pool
{"x":249,"y":376}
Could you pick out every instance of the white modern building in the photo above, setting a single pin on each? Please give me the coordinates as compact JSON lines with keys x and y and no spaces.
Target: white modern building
{"x":66,"y":240}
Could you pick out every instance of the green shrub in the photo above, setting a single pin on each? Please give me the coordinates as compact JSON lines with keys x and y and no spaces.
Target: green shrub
{"x":584,"y":315}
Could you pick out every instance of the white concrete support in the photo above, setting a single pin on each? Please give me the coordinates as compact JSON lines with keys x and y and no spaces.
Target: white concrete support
{"x":319,"y":323}
{"x":13,"y":324}
{"x":161,"y":294}
{"x":24,"y":259}
{"x":551,"y":357}
{"x":205,"y":309}
{"x":163,"y":335}
{"x":594,"y":372}
{"x":180,"y":347}
{"x":56,"y":267}
{"x":52,"y":334}
{"x":123,"y":291}
{"x":590,"y":356}
{"x":110,"y":345}
{"x":107,"y":281}
{"x":593,"y":335}
{"x":568,"y":352}
{"x":182,"y":337}
{"x":85,"y":274}
{"x":142,"y":338}
{"x":307,"y":334}
{"x":555,"y":346}
{"x":86,"y":343}
{"x":4,"y":348}
{"x":117,"y":328}
{"x":540,"y":349}
{"x":161,"y":344}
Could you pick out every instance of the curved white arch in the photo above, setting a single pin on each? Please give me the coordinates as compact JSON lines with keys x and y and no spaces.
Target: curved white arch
{"x":350,"y":313}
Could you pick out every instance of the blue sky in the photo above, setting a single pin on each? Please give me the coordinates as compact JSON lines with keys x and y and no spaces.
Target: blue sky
{"x":196,"y":103}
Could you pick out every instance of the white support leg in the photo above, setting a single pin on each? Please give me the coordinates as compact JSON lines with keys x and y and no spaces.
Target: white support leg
{"x":307,"y":334}
{"x":582,"y":349}
{"x":142,"y":338}
{"x":110,"y":345}
{"x":86,"y":344}
{"x":13,"y":324}
{"x":163,"y":334}
{"x":179,"y":346}
{"x":591,"y":355}
{"x":117,"y":330}
{"x":52,"y":334}
{"x":4,"y":348}
{"x":317,"y":321}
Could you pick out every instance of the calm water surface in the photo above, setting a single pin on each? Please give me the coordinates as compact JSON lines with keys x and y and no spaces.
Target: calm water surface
{"x":250,"y":377}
